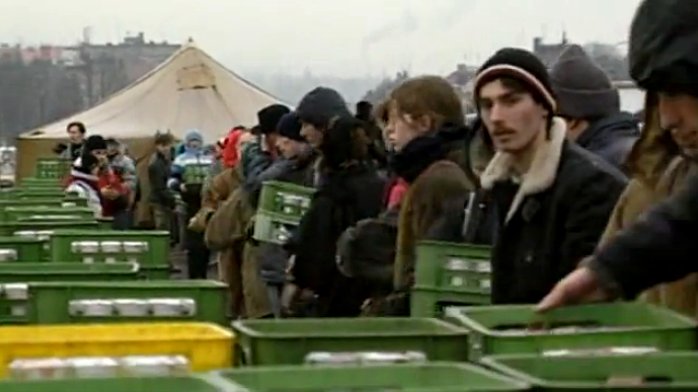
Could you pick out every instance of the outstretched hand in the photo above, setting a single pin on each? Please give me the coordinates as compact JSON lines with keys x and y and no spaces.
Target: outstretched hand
{"x":580,"y":286}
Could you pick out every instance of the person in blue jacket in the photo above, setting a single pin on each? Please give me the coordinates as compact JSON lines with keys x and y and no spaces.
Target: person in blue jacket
{"x":193,"y":154}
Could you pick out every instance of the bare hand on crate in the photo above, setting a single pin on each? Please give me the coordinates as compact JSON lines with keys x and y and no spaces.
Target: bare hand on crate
{"x":580,"y":286}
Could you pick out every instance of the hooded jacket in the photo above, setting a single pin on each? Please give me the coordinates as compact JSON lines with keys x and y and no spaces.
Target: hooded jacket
{"x":611,"y":137}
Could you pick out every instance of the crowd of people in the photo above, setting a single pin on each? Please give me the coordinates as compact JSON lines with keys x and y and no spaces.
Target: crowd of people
{"x":550,"y":174}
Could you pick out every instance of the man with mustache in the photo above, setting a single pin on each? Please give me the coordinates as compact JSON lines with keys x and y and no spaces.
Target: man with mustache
{"x":552,"y":197}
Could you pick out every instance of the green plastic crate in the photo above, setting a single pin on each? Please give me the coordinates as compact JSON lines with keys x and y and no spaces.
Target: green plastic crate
{"x":428,"y":377}
{"x":652,"y":373}
{"x":453,"y":267}
{"x":286,"y":200}
{"x":106,"y":223}
{"x":194,"y":383}
{"x":195,"y":173}
{"x":41,"y":188}
{"x":52,"y":168}
{"x":58,"y":302}
{"x":25,"y":249}
{"x":53,"y":218}
{"x":66,"y":272}
{"x":44,"y":202}
{"x":430,"y":302}
{"x":29,"y":181}
{"x":33,"y":213}
{"x":16,"y":193}
{"x":157,"y":273}
{"x":287,"y":342}
{"x":273,"y":228}
{"x":500,"y":330}
{"x":71,"y":246}
{"x":11,"y":228}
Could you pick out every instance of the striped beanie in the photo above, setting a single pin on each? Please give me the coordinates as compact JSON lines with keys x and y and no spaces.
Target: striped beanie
{"x":523,"y":66}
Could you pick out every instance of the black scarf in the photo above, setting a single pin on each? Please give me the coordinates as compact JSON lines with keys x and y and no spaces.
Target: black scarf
{"x":417,"y":156}
{"x":422,"y":151}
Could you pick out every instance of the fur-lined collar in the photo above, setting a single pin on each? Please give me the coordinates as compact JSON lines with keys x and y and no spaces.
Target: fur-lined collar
{"x":540,"y":175}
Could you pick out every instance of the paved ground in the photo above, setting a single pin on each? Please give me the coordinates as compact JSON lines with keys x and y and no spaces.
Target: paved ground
{"x":179,"y":260}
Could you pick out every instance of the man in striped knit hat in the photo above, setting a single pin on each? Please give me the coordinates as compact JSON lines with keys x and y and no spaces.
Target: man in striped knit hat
{"x":552,"y":197}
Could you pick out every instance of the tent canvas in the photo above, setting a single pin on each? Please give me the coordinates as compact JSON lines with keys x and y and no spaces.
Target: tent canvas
{"x":188,"y":90}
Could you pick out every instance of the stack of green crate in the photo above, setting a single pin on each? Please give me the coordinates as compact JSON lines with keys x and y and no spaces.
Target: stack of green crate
{"x":281,"y":207}
{"x":108,"y":298}
{"x":195,"y":173}
{"x":290,"y":341}
{"x":657,"y":372}
{"x":52,"y":168}
{"x":150,"y":249}
{"x":449,"y":274}
{"x":21,"y":249}
{"x":598,"y":328}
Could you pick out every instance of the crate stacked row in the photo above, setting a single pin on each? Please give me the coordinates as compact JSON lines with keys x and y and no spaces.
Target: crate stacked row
{"x":585,"y":348}
{"x":624,"y":346}
{"x":53,"y":273}
{"x":80,"y":300}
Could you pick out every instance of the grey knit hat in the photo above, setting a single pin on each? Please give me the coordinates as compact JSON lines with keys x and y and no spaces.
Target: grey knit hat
{"x":320,"y":105}
{"x":583,"y":89}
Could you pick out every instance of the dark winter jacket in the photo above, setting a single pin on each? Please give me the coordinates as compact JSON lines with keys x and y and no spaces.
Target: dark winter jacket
{"x":438,"y":168}
{"x":343,"y":199}
{"x":254,"y":162}
{"x":73,"y":151}
{"x":611,"y":137}
{"x":297,"y":170}
{"x":158,"y":175}
{"x":550,"y":221}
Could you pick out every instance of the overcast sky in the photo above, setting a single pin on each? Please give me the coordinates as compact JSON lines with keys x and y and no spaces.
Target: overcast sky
{"x":338,"y":37}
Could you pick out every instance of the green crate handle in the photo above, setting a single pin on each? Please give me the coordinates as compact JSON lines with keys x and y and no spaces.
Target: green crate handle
{"x":243,"y":355}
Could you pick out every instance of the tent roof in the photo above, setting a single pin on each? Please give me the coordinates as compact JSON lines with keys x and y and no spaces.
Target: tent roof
{"x":188,"y":90}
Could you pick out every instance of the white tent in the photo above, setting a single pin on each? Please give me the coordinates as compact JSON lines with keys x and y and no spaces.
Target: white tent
{"x":188,"y":90}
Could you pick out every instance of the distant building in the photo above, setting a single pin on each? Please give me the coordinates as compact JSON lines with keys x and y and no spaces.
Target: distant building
{"x":107,"y":68}
{"x":138,"y":56}
{"x":548,"y":53}
{"x":461,"y":80}
{"x":462,"y":75}
{"x":27,"y":55}
{"x":50,"y":82}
